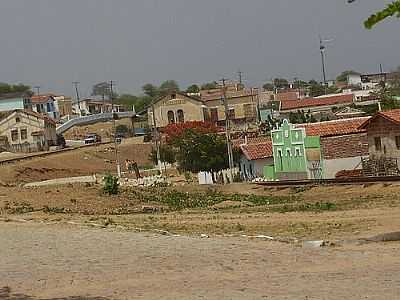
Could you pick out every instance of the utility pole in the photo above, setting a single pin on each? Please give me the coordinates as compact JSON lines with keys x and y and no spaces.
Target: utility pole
{"x":114,"y":130}
{"x":240,"y":73}
{"x":227,"y":129}
{"x":37,"y":90}
{"x":322,"y":49}
{"x":156,"y":136}
{"x":76,"y":83}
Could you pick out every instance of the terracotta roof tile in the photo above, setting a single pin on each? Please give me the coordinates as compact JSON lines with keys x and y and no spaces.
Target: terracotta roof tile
{"x":253,"y":140}
{"x":311,"y":102}
{"x":335,"y":127}
{"x":391,"y":115}
{"x":217,"y":94}
{"x":41,"y":98}
{"x":257,"y":151}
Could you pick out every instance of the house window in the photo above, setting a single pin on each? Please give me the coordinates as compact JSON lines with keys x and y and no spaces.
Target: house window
{"x":171,"y":117}
{"x":24,"y":134}
{"x":298,"y":153}
{"x":214,"y":114}
{"x":288,"y":153}
{"x":180,"y":116}
{"x":398,"y":142}
{"x":14,"y":135}
{"x":378,"y":144}
{"x":17,"y":119}
{"x":173,"y":96}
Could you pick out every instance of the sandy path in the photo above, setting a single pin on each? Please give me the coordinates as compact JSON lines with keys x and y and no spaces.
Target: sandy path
{"x":58,"y":261}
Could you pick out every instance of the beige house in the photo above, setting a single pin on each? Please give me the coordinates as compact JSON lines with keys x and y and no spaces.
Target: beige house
{"x":177,"y":108}
{"x":26,"y":131}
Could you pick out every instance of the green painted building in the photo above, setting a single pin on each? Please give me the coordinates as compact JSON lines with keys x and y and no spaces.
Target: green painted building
{"x":296,"y":156}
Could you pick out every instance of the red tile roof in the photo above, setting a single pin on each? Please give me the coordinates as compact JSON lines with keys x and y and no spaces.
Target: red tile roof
{"x":312,"y":102}
{"x":391,"y":115}
{"x":41,"y":98}
{"x":217,"y":94}
{"x":251,"y":140}
{"x":257,"y":151}
{"x":335,"y":127}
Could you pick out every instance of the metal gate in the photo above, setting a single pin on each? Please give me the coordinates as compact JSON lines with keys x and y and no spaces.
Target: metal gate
{"x":315,"y":168}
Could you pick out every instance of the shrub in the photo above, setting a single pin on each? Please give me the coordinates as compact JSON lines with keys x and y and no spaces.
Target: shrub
{"x":111,"y":185}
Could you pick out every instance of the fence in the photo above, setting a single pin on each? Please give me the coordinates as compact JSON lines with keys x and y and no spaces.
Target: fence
{"x":221,"y":177}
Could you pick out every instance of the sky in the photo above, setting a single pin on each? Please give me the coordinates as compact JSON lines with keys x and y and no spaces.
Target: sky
{"x":51,"y":43}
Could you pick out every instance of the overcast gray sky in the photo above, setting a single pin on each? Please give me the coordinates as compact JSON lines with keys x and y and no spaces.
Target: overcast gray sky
{"x":54,"y":42}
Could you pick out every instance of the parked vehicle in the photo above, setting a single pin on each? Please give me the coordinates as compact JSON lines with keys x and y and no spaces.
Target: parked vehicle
{"x":92,"y":138}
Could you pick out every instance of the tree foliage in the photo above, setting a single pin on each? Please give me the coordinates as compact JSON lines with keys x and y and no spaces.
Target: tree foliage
{"x":167,"y":154}
{"x":281,"y":83}
{"x":392,"y":9}
{"x":175,"y":131}
{"x":6,"y":88}
{"x":209,"y":86}
{"x":201,"y":152}
{"x":193,"y":89}
{"x":300,"y":117}
{"x":342,"y":77}
{"x":268,"y":87}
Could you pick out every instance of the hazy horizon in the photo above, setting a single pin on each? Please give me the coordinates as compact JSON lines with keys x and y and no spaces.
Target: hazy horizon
{"x":52,"y":43}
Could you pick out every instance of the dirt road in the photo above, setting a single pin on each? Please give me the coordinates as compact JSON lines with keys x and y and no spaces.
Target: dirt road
{"x":48,"y":262}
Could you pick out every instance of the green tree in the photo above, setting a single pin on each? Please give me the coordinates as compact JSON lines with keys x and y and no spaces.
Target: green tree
{"x":128,"y":100}
{"x":193,"y":89}
{"x":201,"y":152}
{"x":167,"y":155}
{"x":342,"y":77}
{"x":150,"y":90}
{"x":281,"y":83}
{"x":6,"y":88}
{"x":209,"y":86}
{"x":268,"y":87}
{"x":392,"y":9}
{"x":168,"y":86}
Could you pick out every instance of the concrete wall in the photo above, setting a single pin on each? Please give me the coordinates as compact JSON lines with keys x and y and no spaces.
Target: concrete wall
{"x":254,"y":168}
{"x":332,"y":166}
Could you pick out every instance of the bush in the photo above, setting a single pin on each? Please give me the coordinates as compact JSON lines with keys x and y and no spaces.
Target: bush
{"x":111,"y":185}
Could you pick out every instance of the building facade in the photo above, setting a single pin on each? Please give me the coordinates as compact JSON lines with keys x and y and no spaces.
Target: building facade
{"x":15,"y":101}
{"x":26,"y":131}
{"x":383,"y":132}
{"x":45,"y":104}
{"x":176,"y":108}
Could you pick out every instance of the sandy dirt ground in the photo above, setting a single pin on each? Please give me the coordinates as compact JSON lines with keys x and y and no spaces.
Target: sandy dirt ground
{"x":84,"y":161}
{"x":103,"y":129}
{"x":73,"y":242}
{"x":59,"y":262}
